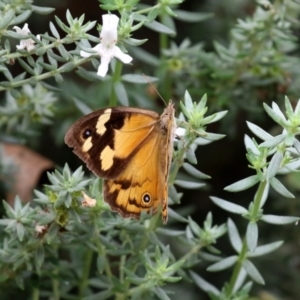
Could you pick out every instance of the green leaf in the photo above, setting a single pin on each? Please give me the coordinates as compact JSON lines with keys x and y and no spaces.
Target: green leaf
{"x":265,"y":249}
{"x":20,"y":231}
{"x":101,"y":259}
{"x":234,"y":208}
{"x":153,"y":14}
{"x":135,"y":42}
{"x":223,"y":264}
{"x":259,"y":132}
{"x":6,"y":18}
{"x":215,"y":117}
{"x":135,"y":78}
{"x":280,"y":188}
{"x":63,"y":52}
{"x":288,"y":107}
{"x":101,"y":295}
{"x":203,"y":284}
{"x":188,"y":102}
{"x":144,"y":56}
{"x":274,"y":141}
{"x":274,"y":165}
{"x":40,"y":255}
{"x":252,"y":236}
{"x":161,"y":294}
{"x":190,"y":155}
{"x":250,"y":145}
{"x":26,"y":66}
{"x":54,"y":30}
{"x":277,"y":117}
{"x":158,"y":27}
{"x":290,"y":167}
{"x":177,"y":217}
{"x":253,"y":272}
{"x":188,"y":16}
{"x":42,"y":10}
{"x":213,"y":136}
{"x":88,"y":75}
{"x":234,"y":236}
{"x":46,"y":218}
{"x":58,"y":78}
{"x":174,"y":195}
{"x":189,"y":184}
{"x":279,"y":220}
{"x":242,"y":184}
{"x":297,"y":145}
{"x":22,"y":17}
{"x":121,"y":93}
{"x":194,"y":172}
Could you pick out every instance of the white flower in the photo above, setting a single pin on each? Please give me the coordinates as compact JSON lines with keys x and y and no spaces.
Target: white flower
{"x":180,"y":132}
{"x":87,"y":201}
{"x":28,"y":43}
{"x":40,"y":228}
{"x":107,"y":48}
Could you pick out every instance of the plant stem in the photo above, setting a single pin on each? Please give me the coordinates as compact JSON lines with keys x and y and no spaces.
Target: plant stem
{"x":258,"y":199}
{"x":55,"y":285}
{"x":163,"y":43}
{"x":86,"y":272}
{"x":243,"y":254}
{"x":35,"y":294}
{"x":116,"y":78}
{"x":237,"y":269}
{"x":14,"y":84}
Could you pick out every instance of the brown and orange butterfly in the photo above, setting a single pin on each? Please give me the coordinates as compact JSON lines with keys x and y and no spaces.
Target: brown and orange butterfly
{"x":131,"y":149}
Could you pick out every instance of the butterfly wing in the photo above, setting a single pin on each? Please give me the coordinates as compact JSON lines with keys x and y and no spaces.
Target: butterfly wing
{"x":142,"y":186}
{"x":107,"y":140}
{"x":132,"y":149}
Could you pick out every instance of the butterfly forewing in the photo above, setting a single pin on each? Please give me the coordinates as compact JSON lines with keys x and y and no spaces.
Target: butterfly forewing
{"x":106,"y":140}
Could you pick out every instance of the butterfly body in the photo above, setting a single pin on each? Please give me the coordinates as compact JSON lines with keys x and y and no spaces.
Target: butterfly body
{"x":131,"y":149}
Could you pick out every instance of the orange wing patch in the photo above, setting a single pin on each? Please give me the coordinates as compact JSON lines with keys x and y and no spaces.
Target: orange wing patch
{"x":141,"y":186}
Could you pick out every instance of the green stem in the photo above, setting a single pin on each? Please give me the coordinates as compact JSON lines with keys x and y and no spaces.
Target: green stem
{"x":243,"y":253}
{"x":237,"y":269}
{"x":192,"y":251}
{"x":41,"y":77}
{"x":35,"y":294}
{"x":115,"y":78}
{"x":146,"y":10}
{"x":167,"y":83}
{"x":178,"y":160}
{"x":258,"y":199}
{"x":101,"y":251}
{"x":86,"y":272}
{"x":55,"y":285}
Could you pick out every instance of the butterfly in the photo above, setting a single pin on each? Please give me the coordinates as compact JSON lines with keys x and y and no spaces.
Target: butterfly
{"x":131,"y":148}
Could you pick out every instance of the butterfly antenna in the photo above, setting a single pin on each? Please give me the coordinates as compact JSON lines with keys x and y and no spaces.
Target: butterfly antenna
{"x":152,"y":85}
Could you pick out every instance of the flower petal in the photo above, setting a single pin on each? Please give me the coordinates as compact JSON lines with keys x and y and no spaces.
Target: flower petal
{"x":119,"y":54}
{"x":109,"y":32}
{"x":103,"y":67}
{"x":96,"y":50}
{"x":17,"y":29}
{"x":25,"y":28}
{"x":180,"y":131}
{"x":85,"y":54}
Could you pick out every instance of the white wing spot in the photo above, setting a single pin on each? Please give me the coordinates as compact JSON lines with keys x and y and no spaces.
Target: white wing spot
{"x":100,"y":128}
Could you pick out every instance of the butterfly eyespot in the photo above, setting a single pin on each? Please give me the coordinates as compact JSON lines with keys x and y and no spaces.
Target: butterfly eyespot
{"x":146,"y":198}
{"x":87,"y":133}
